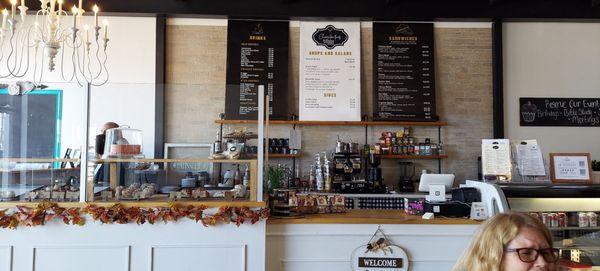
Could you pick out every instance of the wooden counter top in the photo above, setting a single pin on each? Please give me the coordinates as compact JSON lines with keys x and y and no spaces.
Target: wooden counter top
{"x":143,"y":204}
{"x":371,"y":217}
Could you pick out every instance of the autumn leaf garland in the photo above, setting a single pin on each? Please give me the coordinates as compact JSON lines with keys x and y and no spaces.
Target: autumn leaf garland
{"x":47,"y":211}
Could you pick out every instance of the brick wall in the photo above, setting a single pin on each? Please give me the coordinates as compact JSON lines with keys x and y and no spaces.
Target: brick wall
{"x":195,"y":95}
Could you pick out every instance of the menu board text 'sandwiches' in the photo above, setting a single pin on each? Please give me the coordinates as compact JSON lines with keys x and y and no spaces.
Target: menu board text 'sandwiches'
{"x":403,"y":72}
{"x":257,"y":54}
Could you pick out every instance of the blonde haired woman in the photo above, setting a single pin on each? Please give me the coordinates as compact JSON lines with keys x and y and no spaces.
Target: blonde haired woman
{"x":510,"y":242}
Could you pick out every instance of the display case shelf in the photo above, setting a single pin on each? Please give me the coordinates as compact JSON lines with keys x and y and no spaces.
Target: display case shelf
{"x":278,"y":155}
{"x":344,"y":123}
{"x":397,"y":156}
{"x":575,"y":229}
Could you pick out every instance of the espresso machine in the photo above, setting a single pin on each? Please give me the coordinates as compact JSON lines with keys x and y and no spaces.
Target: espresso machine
{"x":407,"y":175}
{"x":347,"y":169}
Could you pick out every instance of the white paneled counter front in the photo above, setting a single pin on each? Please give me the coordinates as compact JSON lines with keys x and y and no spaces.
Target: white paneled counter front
{"x":326,"y":242}
{"x":182,"y":246}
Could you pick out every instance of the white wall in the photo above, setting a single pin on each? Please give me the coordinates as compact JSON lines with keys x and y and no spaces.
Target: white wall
{"x":551,"y":60}
{"x":127,"y":98}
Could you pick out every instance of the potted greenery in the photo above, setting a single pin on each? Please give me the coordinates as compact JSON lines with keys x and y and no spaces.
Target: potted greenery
{"x":275,"y":176}
{"x":596,"y":171}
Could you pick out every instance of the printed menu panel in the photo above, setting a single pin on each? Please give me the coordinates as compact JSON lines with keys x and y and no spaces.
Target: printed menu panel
{"x":257,"y":54}
{"x":403,"y":72}
{"x":330,"y":71}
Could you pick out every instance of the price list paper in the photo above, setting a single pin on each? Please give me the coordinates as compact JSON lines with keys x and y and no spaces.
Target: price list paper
{"x":495,"y":158}
{"x":403,"y":72}
{"x":330,"y":71}
{"x":530,"y":159}
{"x":257,"y":54}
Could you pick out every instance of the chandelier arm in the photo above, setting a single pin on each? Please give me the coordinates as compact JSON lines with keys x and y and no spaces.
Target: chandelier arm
{"x":86,"y":59}
{"x":1,"y":48}
{"x":41,"y":67}
{"x":88,"y":67}
{"x":35,"y":66}
{"x":80,"y":63}
{"x":8,"y":59}
{"x":75,"y":60}
{"x":99,"y":61}
{"x":106,"y":69}
{"x":21,"y":55}
{"x":62,"y":64}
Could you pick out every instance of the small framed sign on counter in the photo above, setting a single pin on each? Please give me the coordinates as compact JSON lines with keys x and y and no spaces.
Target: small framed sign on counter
{"x":570,"y":167}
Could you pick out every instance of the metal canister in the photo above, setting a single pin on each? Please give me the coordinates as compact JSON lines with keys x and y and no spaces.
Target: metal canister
{"x":573,"y":221}
{"x":545,"y":219}
{"x":562,"y":219}
{"x":593,"y":219}
{"x":553,"y":219}
{"x":584,"y":219}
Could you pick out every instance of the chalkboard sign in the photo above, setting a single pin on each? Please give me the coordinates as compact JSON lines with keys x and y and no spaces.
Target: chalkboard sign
{"x":403,"y":72}
{"x":257,"y":54}
{"x":30,"y":124}
{"x":580,"y":112}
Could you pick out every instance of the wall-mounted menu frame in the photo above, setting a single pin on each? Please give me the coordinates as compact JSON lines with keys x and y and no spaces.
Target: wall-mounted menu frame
{"x":403,"y":72}
{"x":257,"y":54}
{"x":570,"y":167}
{"x":329,"y":71}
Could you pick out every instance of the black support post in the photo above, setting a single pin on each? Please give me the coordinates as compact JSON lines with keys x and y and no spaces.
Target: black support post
{"x":159,"y":91}
{"x":497,"y":86}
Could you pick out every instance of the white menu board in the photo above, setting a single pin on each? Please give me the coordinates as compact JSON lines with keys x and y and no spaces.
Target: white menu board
{"x":330,"y":71}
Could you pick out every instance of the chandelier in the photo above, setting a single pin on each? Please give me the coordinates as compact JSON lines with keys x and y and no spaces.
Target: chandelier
{"x":32,"y":45}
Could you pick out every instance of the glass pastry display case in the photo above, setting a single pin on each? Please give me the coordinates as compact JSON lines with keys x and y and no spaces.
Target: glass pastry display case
{"x":571,"y":213}
{"x":164,"y":180}
{"x":123,"y":142}
{"x":34,"y":180}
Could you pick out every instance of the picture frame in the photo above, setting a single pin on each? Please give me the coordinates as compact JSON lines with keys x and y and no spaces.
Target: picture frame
{"x":570,"y":167}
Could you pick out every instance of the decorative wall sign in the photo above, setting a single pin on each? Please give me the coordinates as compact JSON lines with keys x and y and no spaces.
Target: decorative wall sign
{"x":257,"y":54}
{"x":330,"y":71}
{"x":570,"y":167}
{"x":330,"y":37}
{"x":403,"y":72}
{"x":580,"y":112}
{"x":380,"y":254}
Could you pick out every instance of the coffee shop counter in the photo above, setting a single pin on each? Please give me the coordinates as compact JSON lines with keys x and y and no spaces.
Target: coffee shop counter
{"x":182,"y":245}
{"x":326,"y":241}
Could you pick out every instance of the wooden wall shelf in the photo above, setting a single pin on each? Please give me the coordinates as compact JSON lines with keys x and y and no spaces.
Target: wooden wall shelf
{"x":277,"y":155}
{"x":345,"y":123}
{"x":396,"y":156}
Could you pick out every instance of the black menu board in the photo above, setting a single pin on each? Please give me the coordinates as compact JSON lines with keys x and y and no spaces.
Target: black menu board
{"x":580,"y":112}
{"x":403,"y":72}
{"x":257,"y":54}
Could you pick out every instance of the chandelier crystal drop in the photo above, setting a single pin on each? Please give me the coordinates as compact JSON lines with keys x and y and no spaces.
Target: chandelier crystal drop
{"x":32,"y":45}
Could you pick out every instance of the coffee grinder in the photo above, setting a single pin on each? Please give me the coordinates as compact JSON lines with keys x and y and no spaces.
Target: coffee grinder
{"x":407,"y":174}
{"x":374,"y":178}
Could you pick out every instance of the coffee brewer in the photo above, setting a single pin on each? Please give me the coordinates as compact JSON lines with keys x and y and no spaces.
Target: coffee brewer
{"x":407,"y":174}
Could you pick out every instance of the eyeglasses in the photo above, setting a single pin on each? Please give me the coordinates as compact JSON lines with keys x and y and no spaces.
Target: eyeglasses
{"x":529,"y":255}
